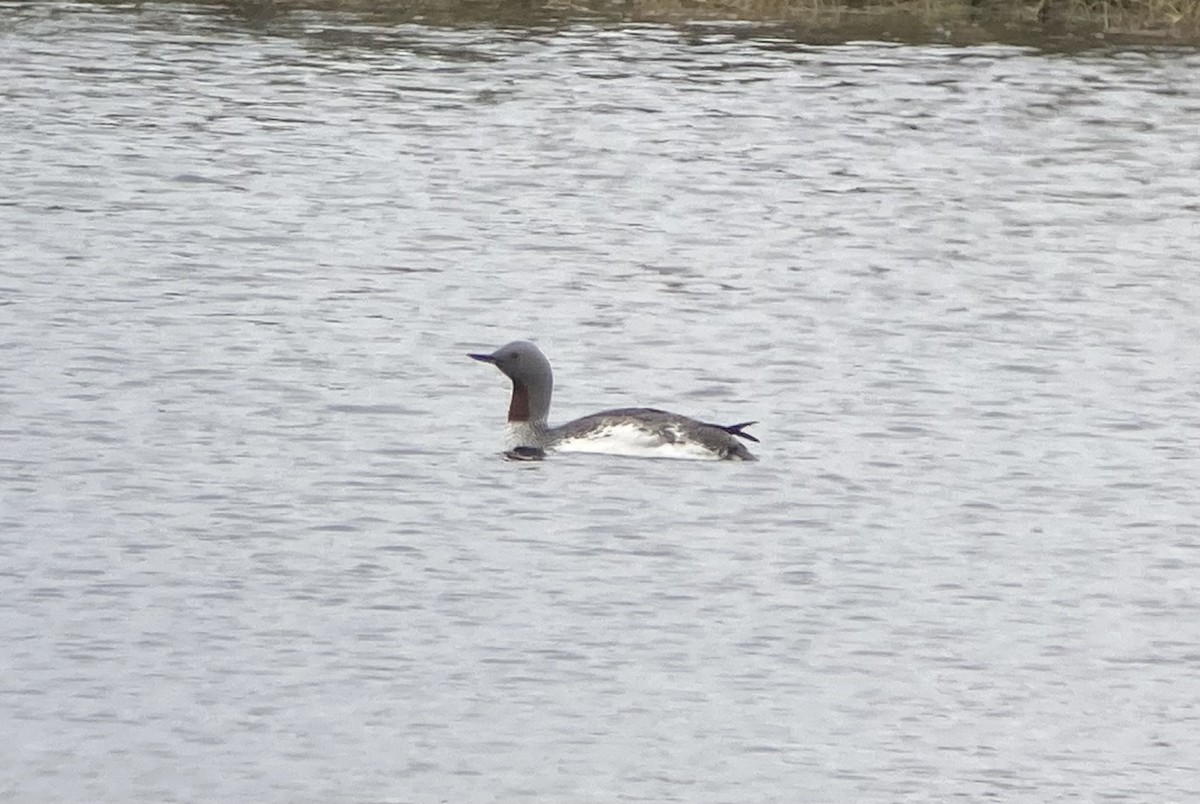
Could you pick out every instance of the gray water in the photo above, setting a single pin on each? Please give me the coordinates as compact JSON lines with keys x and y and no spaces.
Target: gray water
{"x":257,"y":542}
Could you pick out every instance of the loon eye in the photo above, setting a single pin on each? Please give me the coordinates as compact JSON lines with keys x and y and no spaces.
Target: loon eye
{"x":515,"y":356}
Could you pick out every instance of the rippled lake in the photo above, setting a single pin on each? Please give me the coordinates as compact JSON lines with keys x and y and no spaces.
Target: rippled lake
{"x":256,"y":537}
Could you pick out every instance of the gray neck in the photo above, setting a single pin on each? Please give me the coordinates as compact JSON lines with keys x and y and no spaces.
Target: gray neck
{"x":527,"y":412}
{"x":531,"y":392}
{"x":539,"y":403}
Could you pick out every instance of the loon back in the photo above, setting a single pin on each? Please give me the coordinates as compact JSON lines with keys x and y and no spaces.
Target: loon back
{"x":651,"y":432}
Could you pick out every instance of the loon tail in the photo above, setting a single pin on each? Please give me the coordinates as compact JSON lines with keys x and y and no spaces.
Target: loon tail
{"x":736,"y":429}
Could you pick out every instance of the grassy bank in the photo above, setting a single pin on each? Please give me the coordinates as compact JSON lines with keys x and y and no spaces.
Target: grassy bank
{"x":1016,"y":21}
{"x":1159,"y":19}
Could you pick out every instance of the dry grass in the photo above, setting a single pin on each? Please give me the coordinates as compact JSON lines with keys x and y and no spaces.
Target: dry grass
{"x":1166,"y":17}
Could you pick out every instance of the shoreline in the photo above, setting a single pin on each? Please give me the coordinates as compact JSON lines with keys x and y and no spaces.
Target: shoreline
{"x":1054,"y":25}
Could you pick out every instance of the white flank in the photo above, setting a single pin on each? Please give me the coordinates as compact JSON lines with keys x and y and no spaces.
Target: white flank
{"x":631,"y":438}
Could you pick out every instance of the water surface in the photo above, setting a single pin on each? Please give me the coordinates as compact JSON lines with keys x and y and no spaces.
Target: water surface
{"x":257,"y":540}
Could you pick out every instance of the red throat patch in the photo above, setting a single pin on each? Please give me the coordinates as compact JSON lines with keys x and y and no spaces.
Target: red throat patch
{"x":518,"y":408}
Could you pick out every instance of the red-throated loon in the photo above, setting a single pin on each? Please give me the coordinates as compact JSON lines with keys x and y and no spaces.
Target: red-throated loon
{"x":624,"y":431}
